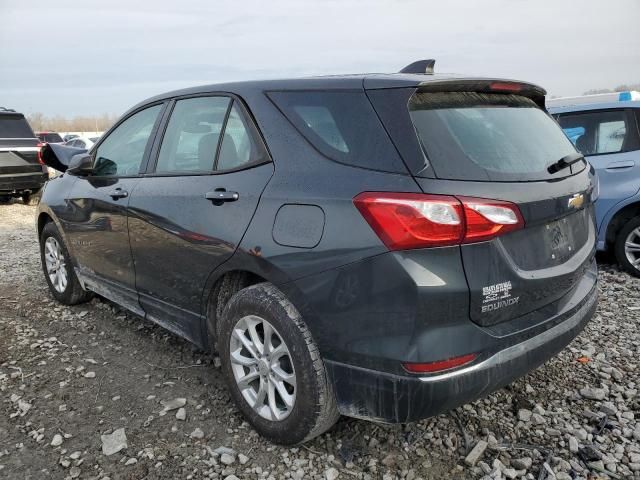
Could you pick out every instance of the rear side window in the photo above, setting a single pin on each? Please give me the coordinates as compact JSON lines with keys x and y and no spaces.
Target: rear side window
{"x":14,"y":126}
{"x":191,"y":139}
{"x":601,"y":132}
{"x":342,"y":125}
{"x":488,"y":136}
{"x":194,"y":140}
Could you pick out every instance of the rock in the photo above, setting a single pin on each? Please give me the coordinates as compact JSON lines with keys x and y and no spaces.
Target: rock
{"x":197,"y":433}
{"x":223,"y":450}
{"x":593,"y":393}
{"x":131,"y":461}
{"x":74,"y":472}
{"x":57,"y":440}
{"x":114,"y":442}
{"x":523,"y":463}
{"x":573,"y":444}
{"x":90,"y":375}
{"x":537,"y":419}
{"x":510,"y":473}
{"x":227,"y":459}
{"x":181,"y":414}
{"x":231,"y":477}
{"x":173,"y":404}
{"x":243,"y":459}
{"x":609,"y":408}
{"x":524,"y":415}
{"x":331,"y":474}
{"x":476,"y":453}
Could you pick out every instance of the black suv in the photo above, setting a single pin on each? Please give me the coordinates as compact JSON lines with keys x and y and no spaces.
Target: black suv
{"x":384,"y":246}
{"x":21,"y":172}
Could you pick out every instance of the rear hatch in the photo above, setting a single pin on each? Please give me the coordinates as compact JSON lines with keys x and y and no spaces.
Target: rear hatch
{"x":18,"y":146}
{"x":494,"y":140}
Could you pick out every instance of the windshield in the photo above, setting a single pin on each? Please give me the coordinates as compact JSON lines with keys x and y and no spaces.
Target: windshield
{"x":14,"y":126}
{"x":486,"y":136}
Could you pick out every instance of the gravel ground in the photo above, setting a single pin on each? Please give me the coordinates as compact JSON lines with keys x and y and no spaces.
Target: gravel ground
{"x":79,"y":383}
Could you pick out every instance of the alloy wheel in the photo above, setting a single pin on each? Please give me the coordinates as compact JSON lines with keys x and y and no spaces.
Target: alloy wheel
{"x":263,"y":368}
{"x":56,"y":266}
{"x":632,"y":248}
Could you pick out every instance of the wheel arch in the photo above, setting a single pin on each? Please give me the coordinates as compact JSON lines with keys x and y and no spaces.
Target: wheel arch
{"x":619,"y":218}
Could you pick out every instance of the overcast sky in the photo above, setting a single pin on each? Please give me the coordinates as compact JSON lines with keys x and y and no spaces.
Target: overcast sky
{"x":90,"y":57}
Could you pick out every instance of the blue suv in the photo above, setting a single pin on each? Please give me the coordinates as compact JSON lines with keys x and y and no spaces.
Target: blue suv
{"x":608,"y":134}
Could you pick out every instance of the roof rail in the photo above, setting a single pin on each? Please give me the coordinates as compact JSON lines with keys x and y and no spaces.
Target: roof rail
{"x":421,"y":66}
{"x":3,"y":109}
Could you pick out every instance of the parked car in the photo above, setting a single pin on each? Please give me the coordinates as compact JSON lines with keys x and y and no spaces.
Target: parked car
{"x":21,"y":173}
{"x":386,"y":247}
{"x":82,"y":142}
{"x":606,"y":129}
{"x":68,"y":137}
{"x":50,"y":137}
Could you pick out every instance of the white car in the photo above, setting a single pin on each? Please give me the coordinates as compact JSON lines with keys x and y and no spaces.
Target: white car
{"x":82,"y":142}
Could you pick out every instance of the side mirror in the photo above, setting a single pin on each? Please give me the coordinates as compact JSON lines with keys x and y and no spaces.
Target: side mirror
{"x":81,"y":165}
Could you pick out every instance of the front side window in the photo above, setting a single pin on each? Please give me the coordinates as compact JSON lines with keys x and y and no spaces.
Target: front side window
{"x":598,"y":132}
{"x":121,"y":153}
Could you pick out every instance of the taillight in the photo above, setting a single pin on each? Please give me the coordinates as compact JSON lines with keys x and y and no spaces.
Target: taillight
{"x":440,"y":365}
{"x":40,"y":160}
{"x":410,"y":220}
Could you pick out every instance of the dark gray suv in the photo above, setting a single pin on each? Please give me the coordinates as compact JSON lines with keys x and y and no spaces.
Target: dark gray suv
{"x":384,"y":246}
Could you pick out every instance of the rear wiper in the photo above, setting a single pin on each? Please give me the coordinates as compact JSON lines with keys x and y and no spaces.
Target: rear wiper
{"x":565,"y":162}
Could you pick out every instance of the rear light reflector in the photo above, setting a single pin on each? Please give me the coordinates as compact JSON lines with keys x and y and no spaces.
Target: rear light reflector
{"x":412,"y":220}
{"x":440,"y":365}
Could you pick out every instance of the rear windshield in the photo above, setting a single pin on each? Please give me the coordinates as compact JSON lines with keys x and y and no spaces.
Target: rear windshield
{"x":14,"y":126}
{"x":50,"y":137}
{"x":342,"y":125}
{"x":488,"y":136}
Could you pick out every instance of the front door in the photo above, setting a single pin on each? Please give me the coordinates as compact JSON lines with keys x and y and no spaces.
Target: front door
{"x":95,"y":217}
{"x":189,"y":213}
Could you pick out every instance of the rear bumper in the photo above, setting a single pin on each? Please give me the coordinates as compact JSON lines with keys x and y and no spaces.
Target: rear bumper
{"x":393,"y":398}
{"x":20,"y":182}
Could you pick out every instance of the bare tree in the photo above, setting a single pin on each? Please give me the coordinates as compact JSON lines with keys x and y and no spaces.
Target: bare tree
{"x":81,"y":123}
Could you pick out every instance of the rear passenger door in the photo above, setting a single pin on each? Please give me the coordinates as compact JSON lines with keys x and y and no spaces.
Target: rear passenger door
{"x":609,"y":140}
{"x":190,"y":211}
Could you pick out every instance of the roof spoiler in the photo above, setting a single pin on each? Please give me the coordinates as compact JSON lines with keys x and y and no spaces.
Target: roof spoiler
{"x":421,"y":67}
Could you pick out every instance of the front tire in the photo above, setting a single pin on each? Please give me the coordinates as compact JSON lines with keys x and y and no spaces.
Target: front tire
{"x":627,"y":247}
{"x":273,"y":367}
{"x":58,"y":268}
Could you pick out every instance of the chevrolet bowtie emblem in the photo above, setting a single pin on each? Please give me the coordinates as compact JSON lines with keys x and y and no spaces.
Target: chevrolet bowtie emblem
{"x":576,"y":201}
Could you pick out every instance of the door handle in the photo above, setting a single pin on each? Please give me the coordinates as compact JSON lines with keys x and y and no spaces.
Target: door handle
{"x":118,"y":193}
{"x":621,"y":165}
{"x":220,"y":195}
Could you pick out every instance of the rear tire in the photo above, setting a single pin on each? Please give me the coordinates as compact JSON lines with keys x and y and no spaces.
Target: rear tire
{"x":58,"y":268}
{"x":627,"y":254}
{"x":291,"y":365}
{"x":32,"y":199}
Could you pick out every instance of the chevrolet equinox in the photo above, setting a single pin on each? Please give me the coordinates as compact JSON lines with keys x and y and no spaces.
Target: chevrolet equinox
{"x":381,"y":246}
